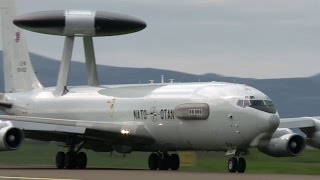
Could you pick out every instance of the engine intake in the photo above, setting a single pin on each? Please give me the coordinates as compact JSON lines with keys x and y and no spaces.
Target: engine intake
{"x":284,"y":146}
{"x":11,"y":138}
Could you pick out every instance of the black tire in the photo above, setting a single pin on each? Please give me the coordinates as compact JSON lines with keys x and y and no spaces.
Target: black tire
{"x":164,"y":162}
{"x":232,"y":164}
{"x":81,"y":160}
{"x":153,"y":161}
{"x":60,"y":160}
{"x":70,"y":161}
{"x":241,"y":165}
{"x":174,"y":162}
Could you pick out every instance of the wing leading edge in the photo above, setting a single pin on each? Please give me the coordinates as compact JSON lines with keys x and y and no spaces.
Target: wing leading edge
{"x":300,"y":122}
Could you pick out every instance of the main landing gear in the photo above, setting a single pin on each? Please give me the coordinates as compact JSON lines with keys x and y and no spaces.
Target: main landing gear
{"x":237,"y":165}
{"x":71,"y":160}
{"x":164,"y":161}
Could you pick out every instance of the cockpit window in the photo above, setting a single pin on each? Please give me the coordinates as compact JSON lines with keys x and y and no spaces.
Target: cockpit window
{"x":262,"y":105}
{"x":246,"y":103}
{"x":240,"y":103}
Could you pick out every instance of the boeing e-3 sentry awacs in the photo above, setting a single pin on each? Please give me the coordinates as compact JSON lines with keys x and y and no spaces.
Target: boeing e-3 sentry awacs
{"x":158,"y":118}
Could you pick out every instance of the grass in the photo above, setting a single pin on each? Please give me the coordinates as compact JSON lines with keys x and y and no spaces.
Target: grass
{"x":44,"y":154}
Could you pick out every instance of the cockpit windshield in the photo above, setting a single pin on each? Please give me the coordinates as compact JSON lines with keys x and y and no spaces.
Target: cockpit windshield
{"x":262,"y":105}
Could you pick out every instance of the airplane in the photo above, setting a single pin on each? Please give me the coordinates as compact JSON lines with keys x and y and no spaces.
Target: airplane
{"x":160,"y":118}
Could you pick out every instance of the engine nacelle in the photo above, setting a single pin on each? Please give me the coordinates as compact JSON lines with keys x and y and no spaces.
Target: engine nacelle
{"x":11,"y":138}
{"x":314,"y":140}
{"x":313,"y":134}
{"x":283,"y":145}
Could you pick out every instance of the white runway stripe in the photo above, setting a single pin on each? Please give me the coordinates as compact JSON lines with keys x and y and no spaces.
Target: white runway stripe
{"x":31,"y":178}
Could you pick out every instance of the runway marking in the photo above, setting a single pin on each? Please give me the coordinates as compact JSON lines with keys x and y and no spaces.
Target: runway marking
{"x":31,"y":178}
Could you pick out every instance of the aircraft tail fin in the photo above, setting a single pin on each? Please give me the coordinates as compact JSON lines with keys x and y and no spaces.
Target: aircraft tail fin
{"x":18,"y":71}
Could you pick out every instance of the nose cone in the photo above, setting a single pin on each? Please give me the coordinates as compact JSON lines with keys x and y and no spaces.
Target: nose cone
{"x":274,"y":121}
{"x":110,"y":24}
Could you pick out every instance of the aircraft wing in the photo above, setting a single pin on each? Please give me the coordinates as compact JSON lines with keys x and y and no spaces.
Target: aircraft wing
{"x":310,"y":126}
{"x":300,"y":122}
{"x":51,"y":129}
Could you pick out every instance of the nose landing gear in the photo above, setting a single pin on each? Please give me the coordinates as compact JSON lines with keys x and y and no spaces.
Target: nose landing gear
{"x":237,"y":165}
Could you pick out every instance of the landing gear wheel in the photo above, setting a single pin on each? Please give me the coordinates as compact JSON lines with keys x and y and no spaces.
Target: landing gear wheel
{"x":241,"y":165}
{"x":81,"y":160}
{"x":232,"y":164}
{"x":164,"y":162}
{"x":153,"y":161}
{"x":60,"y":160}
{"x":70,"y":161}
{"x":174,"y":162}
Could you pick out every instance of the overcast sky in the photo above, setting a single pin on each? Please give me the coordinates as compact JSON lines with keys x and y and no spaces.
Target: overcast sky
{"x":244,"y":38}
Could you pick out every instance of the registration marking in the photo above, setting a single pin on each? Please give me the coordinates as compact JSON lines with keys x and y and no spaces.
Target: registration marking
{"x":31,"y":178}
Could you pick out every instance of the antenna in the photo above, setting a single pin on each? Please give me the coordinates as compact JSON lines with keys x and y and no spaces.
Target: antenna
{"x":162,"y":79}
{"x":75,"y":23}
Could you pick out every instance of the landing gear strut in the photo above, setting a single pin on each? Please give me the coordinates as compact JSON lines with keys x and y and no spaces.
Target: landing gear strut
{"x":237,"y":165}
{"x":163,"y":161}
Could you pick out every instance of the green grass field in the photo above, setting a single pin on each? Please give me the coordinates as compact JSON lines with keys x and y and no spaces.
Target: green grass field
{"x":44,"y":154}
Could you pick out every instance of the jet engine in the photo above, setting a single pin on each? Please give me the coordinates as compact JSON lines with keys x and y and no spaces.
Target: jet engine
{"x":314,"y":139}
{"x":313,"y":134}
{"x":283,"y":143}
{"x":11,"y":138}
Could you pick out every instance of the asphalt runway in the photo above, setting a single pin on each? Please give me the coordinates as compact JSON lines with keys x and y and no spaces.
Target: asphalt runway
{"x":50,"y":173}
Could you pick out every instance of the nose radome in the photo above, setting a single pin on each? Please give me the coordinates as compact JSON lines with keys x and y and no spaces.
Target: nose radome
{"x":274,"y":121}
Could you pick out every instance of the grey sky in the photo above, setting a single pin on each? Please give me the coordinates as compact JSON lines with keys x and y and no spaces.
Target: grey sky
{"x":245,"y":38}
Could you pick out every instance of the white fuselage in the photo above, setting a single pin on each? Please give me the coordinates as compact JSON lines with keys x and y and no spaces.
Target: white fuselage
{"x":228,"y":126}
